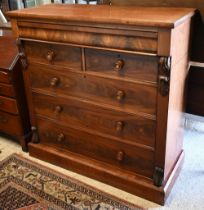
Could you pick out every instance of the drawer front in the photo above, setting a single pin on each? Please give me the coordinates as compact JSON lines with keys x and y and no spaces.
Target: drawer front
{"x":122,"y":65}
{"x":54,"y":55}
{"x":4,"y":77}
{"x":6,"y":90}
{"x":126,"y":39}
{"x":82,"y":114}
{"x":8,"y":105}
{"x":127,"y":96}
{"x":119,"y":154}
{"x":10,"y":124}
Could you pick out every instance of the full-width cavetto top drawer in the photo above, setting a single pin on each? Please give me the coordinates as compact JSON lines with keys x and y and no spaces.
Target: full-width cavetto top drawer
{"x":137,"y":39}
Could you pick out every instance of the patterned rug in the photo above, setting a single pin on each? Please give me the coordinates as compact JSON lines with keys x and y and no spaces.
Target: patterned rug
{"x":26,"y":185}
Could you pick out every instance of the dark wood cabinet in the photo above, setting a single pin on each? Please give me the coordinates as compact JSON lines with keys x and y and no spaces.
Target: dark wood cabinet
{"x":105,"y":87}
{"x":14,"y":119}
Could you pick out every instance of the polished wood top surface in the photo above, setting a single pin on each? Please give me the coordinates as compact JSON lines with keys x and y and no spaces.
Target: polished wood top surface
{"x":130,"y":15}
{"x":198,"y":4}
{"x":8,"y":52}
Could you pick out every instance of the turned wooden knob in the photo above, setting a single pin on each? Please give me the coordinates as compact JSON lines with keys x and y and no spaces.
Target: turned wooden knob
{"x":120,"y":95}
{"x":119,"y":65}
{"x":119,"y":126}
{"x":50,"y":56}
{"x":120,"y":155}
{"x":60,"y":137}
{"x":54,"y":82}
{"x":58,"y":109}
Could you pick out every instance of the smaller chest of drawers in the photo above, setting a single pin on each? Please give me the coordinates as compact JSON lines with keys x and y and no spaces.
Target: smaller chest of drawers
{"x":14,"y":120}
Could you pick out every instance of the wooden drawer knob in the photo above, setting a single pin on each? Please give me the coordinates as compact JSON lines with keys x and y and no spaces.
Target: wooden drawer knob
{"x":60,"y":137}
{"x":54,"y":82}
{"x":120,"y":95}
{"x":120,"y":156}
{"x":58,"y":109}
{"x":50,"y":56}
{"x":119,"y":126}
{"x":119,"y":65}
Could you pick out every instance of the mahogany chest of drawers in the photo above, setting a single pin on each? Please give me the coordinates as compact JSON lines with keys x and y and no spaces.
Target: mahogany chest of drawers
{"x":14,"y":119}
{"x":105,"y":87}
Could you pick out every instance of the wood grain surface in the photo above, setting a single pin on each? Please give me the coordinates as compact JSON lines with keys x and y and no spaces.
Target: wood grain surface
{"x":139,"y":16}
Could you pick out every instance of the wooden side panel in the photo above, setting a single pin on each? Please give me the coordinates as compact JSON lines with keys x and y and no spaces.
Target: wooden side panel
{"x":178,"y":78}
{"x":180,"y":42}
{"x":174,"y":139}
{"x":171,"y":107}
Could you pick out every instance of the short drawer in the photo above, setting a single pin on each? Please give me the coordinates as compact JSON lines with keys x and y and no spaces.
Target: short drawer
{"x":122,"y":65}
{"x":103,"y":149}
{"x":4,"y":77}
{"x":7,"y":90}
{"x":10,"y":124}
{"x":8,"y":105}
{"x":127,"y":96}
{"x":53,"y":54}
{"x":95,"y":118}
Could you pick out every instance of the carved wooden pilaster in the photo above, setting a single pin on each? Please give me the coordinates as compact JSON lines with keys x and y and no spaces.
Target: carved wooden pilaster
{"x":164,"y":75}
{"x":22,"y":54}
{"x":158,"y":176}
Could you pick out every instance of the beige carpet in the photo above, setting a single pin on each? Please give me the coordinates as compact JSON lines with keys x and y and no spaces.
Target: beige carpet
{"x":187,"y":194}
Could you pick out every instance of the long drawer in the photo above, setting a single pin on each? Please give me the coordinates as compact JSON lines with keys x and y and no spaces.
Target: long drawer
{"x":82,"y":114}
{"x":116,"y":153}
{"x":54,"y":54}
{"x":4,"y":77}
{"x":128,"y":96}
{"x":122,"y":65}
{"x":7,"y":90}
{"x":8,"y":105}
{"x":10,"y":124}
{"x":132,"y":40}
